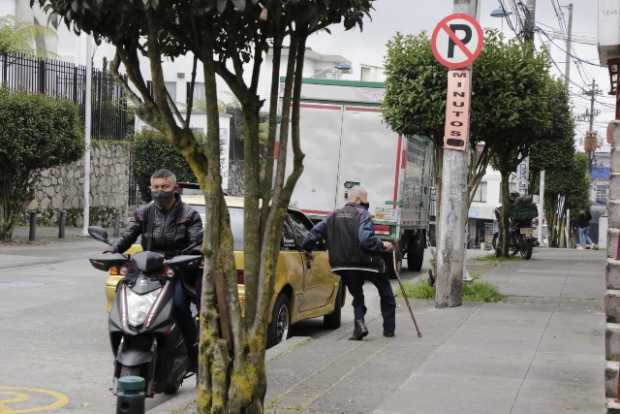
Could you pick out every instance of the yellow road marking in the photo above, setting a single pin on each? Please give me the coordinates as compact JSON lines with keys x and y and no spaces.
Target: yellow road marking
{"x":17,"y":395}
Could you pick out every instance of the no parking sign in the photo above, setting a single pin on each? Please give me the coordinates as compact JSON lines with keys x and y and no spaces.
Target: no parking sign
{"x":457,"y":41}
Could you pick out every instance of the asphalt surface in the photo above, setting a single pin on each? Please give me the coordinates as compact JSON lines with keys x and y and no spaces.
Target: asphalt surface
{"x":54,"y":348}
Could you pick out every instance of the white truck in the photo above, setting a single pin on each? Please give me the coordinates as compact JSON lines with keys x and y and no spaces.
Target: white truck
{"x":347,"y":143}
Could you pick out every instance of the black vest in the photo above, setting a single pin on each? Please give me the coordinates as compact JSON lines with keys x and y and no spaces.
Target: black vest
{"x":345,"y":252}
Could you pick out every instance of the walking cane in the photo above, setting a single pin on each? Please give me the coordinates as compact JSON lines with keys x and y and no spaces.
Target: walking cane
{"x":402,"y":289}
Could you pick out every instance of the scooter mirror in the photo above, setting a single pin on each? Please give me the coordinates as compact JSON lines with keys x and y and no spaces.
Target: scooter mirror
{"x":99,"y":234}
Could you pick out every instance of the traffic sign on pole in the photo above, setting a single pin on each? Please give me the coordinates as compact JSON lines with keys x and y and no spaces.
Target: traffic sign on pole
{"x":457,"y":41}
{"x":457,"y":110}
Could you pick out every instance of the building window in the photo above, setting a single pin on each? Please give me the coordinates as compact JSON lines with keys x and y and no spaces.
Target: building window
{"x":481,"y":193}
{"x":601,"y":194}
{"x":171,"y":87}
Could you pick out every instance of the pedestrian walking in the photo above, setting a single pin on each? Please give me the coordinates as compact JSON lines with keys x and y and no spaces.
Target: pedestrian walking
{"x":583,"y":230}
{"x":353,"y":254}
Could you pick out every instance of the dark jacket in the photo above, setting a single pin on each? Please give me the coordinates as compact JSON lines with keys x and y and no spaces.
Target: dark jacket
{"x":167,"y":232}
{"x":351,"y":239}
{"x":583,"y":219}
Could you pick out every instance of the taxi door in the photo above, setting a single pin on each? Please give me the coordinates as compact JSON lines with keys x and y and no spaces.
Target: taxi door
{"x":320,"y":284}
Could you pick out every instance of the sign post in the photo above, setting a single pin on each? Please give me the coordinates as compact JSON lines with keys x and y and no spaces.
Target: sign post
{"x":457,"y":41}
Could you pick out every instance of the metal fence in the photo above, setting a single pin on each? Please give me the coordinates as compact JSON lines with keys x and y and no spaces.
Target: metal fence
{"x":64,"y":80}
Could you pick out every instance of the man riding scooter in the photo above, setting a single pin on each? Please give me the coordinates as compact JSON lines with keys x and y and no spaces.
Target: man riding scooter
{"x":168,"y":226}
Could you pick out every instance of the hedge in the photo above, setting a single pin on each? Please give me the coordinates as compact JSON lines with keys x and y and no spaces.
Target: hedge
{"x":152,"y":152}
{"x":36,"y":132}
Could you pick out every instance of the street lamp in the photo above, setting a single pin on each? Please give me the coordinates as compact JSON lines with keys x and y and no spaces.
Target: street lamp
{"x":501,"y":13}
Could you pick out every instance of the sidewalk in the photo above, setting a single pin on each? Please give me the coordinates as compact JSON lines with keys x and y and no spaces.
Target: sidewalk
{"x":47,"y":248}
{"x":540,"y":351}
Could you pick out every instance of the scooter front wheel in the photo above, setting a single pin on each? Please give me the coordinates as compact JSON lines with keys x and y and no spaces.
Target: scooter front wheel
{"x":129,"y":371}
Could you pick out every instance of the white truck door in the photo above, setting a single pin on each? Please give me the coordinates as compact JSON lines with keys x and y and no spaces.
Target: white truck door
{"x":321,"y":127}
{"x":370,"y":158}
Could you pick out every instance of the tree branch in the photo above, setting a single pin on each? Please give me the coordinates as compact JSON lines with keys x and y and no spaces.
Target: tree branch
{"x":190,"y":98}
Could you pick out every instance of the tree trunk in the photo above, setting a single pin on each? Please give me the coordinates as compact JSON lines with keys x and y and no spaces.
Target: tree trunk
{"x":504,"y":239}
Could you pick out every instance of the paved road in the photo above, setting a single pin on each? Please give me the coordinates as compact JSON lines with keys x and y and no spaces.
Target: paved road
{"x":53,"y":328}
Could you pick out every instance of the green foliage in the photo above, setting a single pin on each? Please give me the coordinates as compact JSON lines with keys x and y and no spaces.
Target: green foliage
{"x":16,"y":37}
{"x":153,"y":151}
{"x":37,"y":133}
{"x":476,"y":291}
{"x":508,"y":95}
{"x":566,"y":172}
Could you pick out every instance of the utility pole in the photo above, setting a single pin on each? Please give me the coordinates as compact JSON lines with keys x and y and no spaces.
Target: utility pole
{"x":592,"y":114}
{"x":451,"y":241}
{"x":569,"y":41}
{"x":591,"y":140}
{"x":530,"y":21}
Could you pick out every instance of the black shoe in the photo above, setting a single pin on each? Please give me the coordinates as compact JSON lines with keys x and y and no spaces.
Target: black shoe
{"x":360,"y":331}
{"x":388,"y":334}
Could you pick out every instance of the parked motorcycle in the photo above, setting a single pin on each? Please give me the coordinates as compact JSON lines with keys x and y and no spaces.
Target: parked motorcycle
{"x":145,"y":339}
{"x":521,"y":240}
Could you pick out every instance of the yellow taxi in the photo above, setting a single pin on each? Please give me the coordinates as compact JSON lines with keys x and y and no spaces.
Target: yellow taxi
{"x":304,"y":288}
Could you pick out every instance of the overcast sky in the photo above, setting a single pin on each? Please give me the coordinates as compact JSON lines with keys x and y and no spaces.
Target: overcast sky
{"x":414,"y":16}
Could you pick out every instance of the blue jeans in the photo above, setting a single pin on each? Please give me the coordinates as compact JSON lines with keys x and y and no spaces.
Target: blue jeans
{"x":584,"y":236}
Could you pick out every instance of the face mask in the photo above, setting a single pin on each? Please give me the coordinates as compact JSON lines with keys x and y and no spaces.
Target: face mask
{"x":162,"y":198}
{"x":365,"y":205}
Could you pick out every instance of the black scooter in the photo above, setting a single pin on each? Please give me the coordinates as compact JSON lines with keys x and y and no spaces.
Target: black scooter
{"x":145,"y":339}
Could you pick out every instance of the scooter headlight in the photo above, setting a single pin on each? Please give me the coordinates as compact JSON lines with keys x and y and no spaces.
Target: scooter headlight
{"x":138,"y":306}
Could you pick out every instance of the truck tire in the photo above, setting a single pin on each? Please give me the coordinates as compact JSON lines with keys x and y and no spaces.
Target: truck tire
{"x":415,"y":251}
{"x":389,"y":266}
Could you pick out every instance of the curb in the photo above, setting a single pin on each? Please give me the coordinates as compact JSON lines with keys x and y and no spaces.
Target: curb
{"x":182,"y":402}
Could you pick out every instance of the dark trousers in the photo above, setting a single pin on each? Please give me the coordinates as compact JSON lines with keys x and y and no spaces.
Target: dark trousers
{"x":183,"y":316}
{"x":355,"y":281}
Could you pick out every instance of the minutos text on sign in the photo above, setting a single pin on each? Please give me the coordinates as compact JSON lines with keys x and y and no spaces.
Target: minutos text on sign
{"x":458,"y":110}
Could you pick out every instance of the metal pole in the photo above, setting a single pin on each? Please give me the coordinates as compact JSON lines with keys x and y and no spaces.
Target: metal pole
{"x":87,"y":133}
{"x":62,"y":221}
{"x":451,"y":242}
{"x":567,"y":229}
{"x":593,"y":92}
{"x":32,"y":233}
{"x":541,"y":207}
{"x":569,"y":41}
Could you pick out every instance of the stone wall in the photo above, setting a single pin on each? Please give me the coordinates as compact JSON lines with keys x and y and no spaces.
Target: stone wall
{"x":62,"y":188}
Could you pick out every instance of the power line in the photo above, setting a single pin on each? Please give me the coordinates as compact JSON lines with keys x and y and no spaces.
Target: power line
{"x":564,"y":50}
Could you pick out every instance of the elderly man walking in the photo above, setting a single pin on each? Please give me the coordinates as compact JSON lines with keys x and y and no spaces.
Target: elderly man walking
{"x":353,"y":248}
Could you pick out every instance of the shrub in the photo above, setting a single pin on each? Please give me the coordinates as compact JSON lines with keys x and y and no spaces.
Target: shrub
{"x":36,"y":132}
{"x":152,"y":152}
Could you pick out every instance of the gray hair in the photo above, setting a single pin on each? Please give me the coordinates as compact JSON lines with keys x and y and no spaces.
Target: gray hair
{"x":164,"y":173}
{"x":357,"y":192}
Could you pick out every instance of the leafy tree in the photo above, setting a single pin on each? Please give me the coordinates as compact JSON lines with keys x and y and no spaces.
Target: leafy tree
{"x":566,"y":173}
{"x":152,"y":151}
{"x":228,"y":38}
{"x":20,"y":37}
{"x":37,"y":133}
{"x":508,"y":100}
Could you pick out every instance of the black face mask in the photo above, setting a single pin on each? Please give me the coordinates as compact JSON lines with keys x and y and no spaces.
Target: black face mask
{"x":365,"y":205}
{"x":162,"y":198}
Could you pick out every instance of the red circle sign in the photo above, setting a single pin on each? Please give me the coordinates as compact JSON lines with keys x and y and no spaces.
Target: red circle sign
{"x":457,"y":41}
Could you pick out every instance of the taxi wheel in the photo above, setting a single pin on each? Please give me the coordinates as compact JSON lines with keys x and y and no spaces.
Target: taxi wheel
{"x":332,"y":320}
{"x":279,"y":328}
